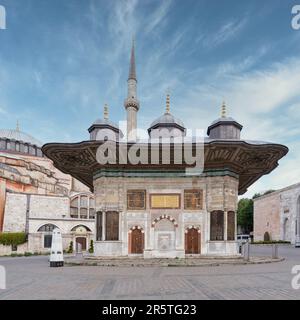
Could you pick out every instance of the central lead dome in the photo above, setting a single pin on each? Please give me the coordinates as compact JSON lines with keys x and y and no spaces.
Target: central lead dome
{"x":167,"y":125}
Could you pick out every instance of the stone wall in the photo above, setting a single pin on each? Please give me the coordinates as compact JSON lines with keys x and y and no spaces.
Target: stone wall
{"x":219,"y":193}
{"x":15,"y":212}
{"x":267,"y":217}
{"x":49,"y":207}
{"x":277,"y":214}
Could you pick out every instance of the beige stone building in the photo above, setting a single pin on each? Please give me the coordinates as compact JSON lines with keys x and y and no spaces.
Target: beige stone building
{"x":35,"y":197}
{"x":277,"y":215}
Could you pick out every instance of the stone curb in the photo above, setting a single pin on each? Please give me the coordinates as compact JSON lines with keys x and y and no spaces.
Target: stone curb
{"x":167,"y":264}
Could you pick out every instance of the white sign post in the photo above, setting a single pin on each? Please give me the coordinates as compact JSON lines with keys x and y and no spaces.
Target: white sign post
{"x":56,"y":256}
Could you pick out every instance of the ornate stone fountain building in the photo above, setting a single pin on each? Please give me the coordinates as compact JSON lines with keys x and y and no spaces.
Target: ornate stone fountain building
{"x":165,"y":208}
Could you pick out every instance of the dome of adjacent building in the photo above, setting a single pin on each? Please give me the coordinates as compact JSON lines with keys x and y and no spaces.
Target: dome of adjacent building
{"x":19,"y":136}
{"x":16,"y":141}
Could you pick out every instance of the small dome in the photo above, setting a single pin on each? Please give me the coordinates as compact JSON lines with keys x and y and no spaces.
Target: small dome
{"x":167,"y":119}
{"x":105,"y":122}
{"x":224,"y":119}
{"x":19,"y":136}
{"x":104,"y":128}
{"x":224,"y":127}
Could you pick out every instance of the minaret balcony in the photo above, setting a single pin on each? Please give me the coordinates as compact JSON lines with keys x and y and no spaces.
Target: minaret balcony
{"x":131,"y":102}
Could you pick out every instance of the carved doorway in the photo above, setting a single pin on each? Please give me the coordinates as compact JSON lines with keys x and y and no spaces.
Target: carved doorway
{"x":192,"y":241}
{"x":137,"y":241}
{"x":80,"y":244}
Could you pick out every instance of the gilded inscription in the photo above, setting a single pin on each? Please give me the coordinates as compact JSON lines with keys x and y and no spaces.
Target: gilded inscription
{"x":165,"y":201}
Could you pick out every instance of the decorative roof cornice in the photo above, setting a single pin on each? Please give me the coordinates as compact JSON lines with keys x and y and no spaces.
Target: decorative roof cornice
{"x":248,"y":160}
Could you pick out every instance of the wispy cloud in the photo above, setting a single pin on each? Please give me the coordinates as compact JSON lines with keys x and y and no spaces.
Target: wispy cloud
{"x":226,"y":32}
{"x":158,"y":16}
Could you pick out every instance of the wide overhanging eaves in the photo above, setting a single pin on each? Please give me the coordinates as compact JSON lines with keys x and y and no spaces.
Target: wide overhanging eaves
{"x":249,"y":161}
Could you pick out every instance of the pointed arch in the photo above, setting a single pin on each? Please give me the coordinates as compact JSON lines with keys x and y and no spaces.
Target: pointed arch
{"x":164,"y":216}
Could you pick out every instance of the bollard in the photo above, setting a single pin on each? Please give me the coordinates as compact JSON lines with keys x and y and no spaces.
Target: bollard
{"x":246,"y":251}
{"x":275,"y":251}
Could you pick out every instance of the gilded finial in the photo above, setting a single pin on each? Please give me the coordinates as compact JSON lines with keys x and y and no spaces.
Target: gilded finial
{"x":18,"y":126}
{"x":105,"y":113}
{"x":223,"y":110}
{"x":168,"y":102}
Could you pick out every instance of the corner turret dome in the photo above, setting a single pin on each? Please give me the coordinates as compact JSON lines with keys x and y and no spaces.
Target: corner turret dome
{"x":224,"y":127}
{"x":104,"y":129}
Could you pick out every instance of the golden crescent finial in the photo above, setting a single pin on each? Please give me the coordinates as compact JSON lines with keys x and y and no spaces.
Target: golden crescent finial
{"x":168,"y":104}
{"x":223,"y":110}
{"x":105,"y":113}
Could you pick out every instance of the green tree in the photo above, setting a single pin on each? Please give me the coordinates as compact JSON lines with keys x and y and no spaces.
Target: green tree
{"x":245,"y":215}
{"x":91,"y":249}
{"x":70,"y":249}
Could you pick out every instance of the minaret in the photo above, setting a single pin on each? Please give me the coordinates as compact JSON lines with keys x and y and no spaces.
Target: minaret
{"x":132,"y":104}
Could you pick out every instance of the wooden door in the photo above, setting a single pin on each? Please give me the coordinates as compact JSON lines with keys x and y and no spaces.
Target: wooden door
{"x":137,"y":241}
{"x":192,"y":241}
{"x":82,"y":242}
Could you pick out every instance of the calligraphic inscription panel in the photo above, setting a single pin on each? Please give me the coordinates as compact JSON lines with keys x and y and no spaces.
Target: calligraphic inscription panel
{"x":165,"y":201}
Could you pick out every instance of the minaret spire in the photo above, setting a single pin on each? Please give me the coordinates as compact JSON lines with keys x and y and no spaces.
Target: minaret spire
{"x":132,"y":70}
{"x":132,"y":104}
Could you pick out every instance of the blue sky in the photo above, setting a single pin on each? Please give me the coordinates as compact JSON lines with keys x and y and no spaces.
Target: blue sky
{"x":61,"y":60}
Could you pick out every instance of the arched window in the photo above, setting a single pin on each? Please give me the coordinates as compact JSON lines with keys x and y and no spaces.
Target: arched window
{"x":81,"y":226}
{"x":47,"y":229}
{"x":26,"y":148}
{"x":217,"y":225}
{"x":17,"y":146}
{"x":82,"y":207}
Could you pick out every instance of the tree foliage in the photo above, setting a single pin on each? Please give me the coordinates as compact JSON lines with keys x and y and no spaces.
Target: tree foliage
{"x":12,"y":238}
{"x":257,"y":195}
{"x":245,"y":214}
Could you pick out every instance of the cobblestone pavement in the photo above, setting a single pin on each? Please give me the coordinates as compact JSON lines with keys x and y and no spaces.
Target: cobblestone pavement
{"x":31,"y":278}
